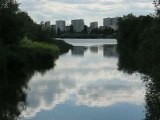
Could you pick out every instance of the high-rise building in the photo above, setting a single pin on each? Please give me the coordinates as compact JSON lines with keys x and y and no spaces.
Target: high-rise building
{"x":47,"y":24}
{"x":110,"y":22}
{"x":78,"y":25}
{"x":93,"y":25}
{"x":61,"y":25}
{"x":42,"y":24}
{"x":107,"y":22}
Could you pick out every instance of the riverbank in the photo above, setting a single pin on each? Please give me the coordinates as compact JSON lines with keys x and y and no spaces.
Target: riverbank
{"x":88,"y":36}
{"x":139,"y":48}
{"x":18,"y":65}
{"x":31,"y":55}
{"x":140,"y":43}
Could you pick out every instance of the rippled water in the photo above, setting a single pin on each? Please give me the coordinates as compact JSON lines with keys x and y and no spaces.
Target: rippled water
{"x":86,"y":85}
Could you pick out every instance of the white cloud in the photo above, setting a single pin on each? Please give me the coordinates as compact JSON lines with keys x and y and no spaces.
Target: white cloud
{"x":90,"y":10}
{"x":99,"y":85}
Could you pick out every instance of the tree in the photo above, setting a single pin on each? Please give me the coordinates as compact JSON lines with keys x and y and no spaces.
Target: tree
{"x":11,"y":31}
{"x":8,"y":6}
{"x":85,"y":29}
{"x":95,"y":31}
{"x":157,"y":7}
{"x":59,"y":32}
{"x":108,"y":31}
{"x":52,"y":33}
{"x":71,"y":29}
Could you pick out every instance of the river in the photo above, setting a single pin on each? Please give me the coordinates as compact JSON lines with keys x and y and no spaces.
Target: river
{"x":85,"y":84}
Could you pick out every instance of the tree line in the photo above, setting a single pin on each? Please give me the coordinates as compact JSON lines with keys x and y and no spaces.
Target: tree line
{"x":25,"y":48}
{"x":16,"y":24}
{"x":96,"y":31}
{"x":139,"y":37}
{"x":139,"y":48}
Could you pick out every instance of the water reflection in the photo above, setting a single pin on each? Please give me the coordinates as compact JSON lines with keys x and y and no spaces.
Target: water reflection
{"x":12,"y":98}
{"x":94,"y":49}
{"x":78,"y":50}
{"x":153,"y":99}
{"x":88,"y":87}
{"x":129,"y":63}
{"x":90,"y":83}
{"x":110,"y":51}
{"x":14,"y":78}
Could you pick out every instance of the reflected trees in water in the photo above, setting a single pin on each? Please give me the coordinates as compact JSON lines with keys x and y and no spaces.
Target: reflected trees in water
{"x":151,"y":77}
{"x":13,"y":85}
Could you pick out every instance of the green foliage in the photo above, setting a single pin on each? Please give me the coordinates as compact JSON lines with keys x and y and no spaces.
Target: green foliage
{"x":11,"y":31}
{"x":85,"y":30}
{"x":59,"y":32}
{"x":30,"y":28}
{"x":139,"y":48}
{"x":139,"y":37}
{"x":96,"y":31}
{"x":40,"y":46}
{"x":106,"y":31}
{"x":17,"y":66}
{"x":10,"y":6}
{"x":63,"y":46}
{"x":34,"y":31}
{"x":20,"y":58}
{"x":71,"y":29}
{"x":15,"y":25}
{"x":52,"y":33}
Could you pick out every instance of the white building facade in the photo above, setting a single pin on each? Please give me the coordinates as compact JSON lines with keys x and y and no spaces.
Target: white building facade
{"x":110,"y":22}
{"x":61,"y":24}
{"x":47,"y":24}
{"x":42,"y":24}
{"x":93,"y":25}
{"x":78,"y":25}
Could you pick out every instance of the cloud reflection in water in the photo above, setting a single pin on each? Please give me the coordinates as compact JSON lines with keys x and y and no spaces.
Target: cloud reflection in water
{"x":92,"y":80}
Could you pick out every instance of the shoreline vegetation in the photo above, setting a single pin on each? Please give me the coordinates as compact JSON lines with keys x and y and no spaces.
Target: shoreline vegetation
{"x":88,"y":36}
{"x":139,"y":48}
{"x":96,"y":33}
{"x":24,"y":43}
{"x":31,"y":55}
{"x":25,"y":48}
{"x":18,"y":65}
{"x":139,"y":40}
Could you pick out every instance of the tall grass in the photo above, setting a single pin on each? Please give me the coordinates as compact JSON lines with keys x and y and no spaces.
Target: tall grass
{"x":28,"y":56}
{"x":39,"y":46}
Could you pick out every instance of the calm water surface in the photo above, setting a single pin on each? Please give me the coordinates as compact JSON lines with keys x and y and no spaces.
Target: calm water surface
{"x":86,"y":85}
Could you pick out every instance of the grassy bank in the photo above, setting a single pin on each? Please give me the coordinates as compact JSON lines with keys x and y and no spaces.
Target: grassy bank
{"x":31,"y":55}
{"x":40,"y":46}
{"x":63,"y":46}
{"x":17,"y":66}
{"x":39,"y":50}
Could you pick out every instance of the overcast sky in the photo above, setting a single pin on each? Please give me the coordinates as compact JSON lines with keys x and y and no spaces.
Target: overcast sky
{"x":89,"y":10}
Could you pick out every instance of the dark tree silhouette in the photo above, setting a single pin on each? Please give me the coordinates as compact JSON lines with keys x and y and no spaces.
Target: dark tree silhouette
{"x":59,"y":32}
{"x":11,"y":26}
{"x":71,"y":29}
{"x":138,"y":47}
{"x":85,"y":30}
{"x":157,"y":6}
